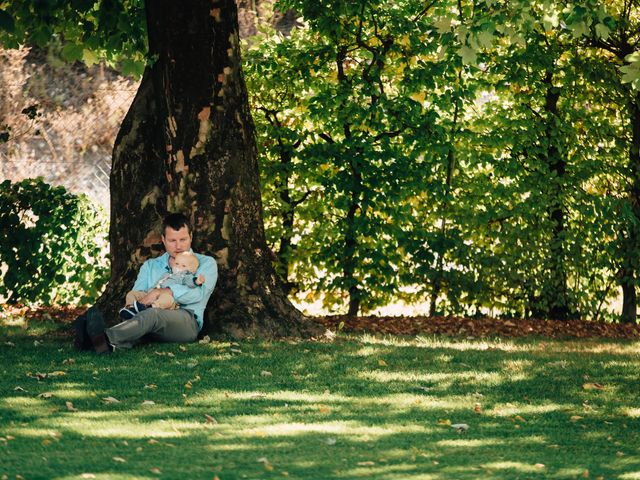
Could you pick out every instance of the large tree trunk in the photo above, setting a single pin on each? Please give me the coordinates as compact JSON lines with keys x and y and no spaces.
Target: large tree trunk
{"x":187,"y":145}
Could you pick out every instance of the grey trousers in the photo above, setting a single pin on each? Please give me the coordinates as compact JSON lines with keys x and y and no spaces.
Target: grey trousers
{"x":160,"y":325}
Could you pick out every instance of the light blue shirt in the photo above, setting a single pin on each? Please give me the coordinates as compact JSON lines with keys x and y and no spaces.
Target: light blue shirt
{"x":193,"y":299}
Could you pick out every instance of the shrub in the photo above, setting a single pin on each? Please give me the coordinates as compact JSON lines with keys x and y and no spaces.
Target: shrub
{"x":52,"y":245}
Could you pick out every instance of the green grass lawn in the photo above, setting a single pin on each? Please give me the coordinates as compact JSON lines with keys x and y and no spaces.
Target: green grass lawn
{"x":359,"y":407}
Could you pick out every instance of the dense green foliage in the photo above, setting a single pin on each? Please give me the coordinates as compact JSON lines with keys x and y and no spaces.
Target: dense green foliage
{"x":478,"y":155}
{"x":114,"y":30}
{"x":52,"y":245}
{"x":481,"y":155}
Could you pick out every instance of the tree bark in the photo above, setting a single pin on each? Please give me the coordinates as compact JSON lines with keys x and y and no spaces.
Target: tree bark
{"x":451,"y":167}
{"x":631,"y":244}
{"x":556,"y":293}
{"x":287,"y":217}
{"x":187,"y":145}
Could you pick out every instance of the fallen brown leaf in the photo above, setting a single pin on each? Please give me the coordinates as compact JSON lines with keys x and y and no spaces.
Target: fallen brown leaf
{"x":210,"y":419}
{"x":593,"y":386}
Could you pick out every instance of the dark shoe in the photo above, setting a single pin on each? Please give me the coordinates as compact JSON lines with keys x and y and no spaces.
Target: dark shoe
{"x":126,"y":313}
{"x":95,"y":331}
{"x":139,"y":307}
{"x":101,"y":344}
{"x":81,"y":340}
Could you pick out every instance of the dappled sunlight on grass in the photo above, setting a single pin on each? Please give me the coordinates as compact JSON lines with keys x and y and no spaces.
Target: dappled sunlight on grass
{"x":511,"y":465}
{"x":596,"y":346}
{"x":290,"y":396}
{"x":630,"y":476}
{"x":26,"y":407}
{"x":470,"y":443}
{"x":480,"y":345}
{"x":105,"y":426}
{"x":387,"y":471}
{"x":625,"y":347}
{"x":351,"y":429}
{"x":517,"y":368}
{"x":631,"y":412}
{"x":106,"y":476}
{"x":361,"y":407}
{"x":510,"y":409}
{"x":444,"y":380}
{"x":440,"y":342}
{"x":572,"y":472}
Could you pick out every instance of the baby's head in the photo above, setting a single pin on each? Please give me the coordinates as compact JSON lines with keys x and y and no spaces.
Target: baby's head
{"x":185,"y":262}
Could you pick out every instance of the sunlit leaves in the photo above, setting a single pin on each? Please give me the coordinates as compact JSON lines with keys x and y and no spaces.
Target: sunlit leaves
{"x":631,"y":70}
{"x":89,"y":31}
{"x":52,"y":242}
{"x":349,"y":137}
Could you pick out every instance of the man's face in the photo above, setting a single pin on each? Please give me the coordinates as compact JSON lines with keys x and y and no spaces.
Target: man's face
{"x":176,"y":241}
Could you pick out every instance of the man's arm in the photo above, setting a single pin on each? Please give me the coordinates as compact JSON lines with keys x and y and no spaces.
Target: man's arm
{"x":143,"y":282}
{"x":184,"y":295}
{"x":153,"y":294}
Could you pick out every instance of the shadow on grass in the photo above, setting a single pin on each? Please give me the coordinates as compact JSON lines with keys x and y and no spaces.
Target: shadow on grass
{"x":361,"y":407}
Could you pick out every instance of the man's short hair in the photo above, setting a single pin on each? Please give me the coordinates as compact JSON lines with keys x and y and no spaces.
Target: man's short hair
{"x":176,"y":221}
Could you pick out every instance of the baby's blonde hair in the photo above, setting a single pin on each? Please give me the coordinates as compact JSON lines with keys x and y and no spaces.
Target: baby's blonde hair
{"x":190,"y":260}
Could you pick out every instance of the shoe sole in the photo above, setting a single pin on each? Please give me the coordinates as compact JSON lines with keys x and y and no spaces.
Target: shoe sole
{"x":126,"y":314}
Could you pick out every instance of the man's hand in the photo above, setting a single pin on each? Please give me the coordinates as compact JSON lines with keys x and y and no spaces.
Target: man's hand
{"x":152,"y":295}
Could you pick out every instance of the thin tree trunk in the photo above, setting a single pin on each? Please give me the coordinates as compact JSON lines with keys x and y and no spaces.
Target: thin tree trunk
{"x":287,"y":217}
{"x":451,"y":166}
{"x":556,"y":292}
{"x":187,"y":145}
{"x":631,"y":244}
{"x":350,"y":245}
{"x":350,"y":241}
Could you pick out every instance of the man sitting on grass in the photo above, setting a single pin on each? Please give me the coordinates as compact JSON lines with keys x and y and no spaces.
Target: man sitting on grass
{"x":182,"y":273}
{"x":179,"y":325}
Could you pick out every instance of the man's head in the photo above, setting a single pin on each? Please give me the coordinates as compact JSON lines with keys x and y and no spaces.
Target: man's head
{"x":185,"y":262}
{"x":176,"y":234}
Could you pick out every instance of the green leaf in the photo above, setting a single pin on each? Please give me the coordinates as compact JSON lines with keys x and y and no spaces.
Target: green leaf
{"x":134,"y":68}
{"x":443,"y":25}
{"x":602,"y":31}
{"x":89,"y":57}
{"x":72,"y":52}
{"x":550,"y":20}
{"x":630,"y":74}
{"x":579,"y":29}
{"x":468,"y":55}
{"x":485,"y":39}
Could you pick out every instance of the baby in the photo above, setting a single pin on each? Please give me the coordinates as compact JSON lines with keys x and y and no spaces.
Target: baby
{"x":182,"y":273}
